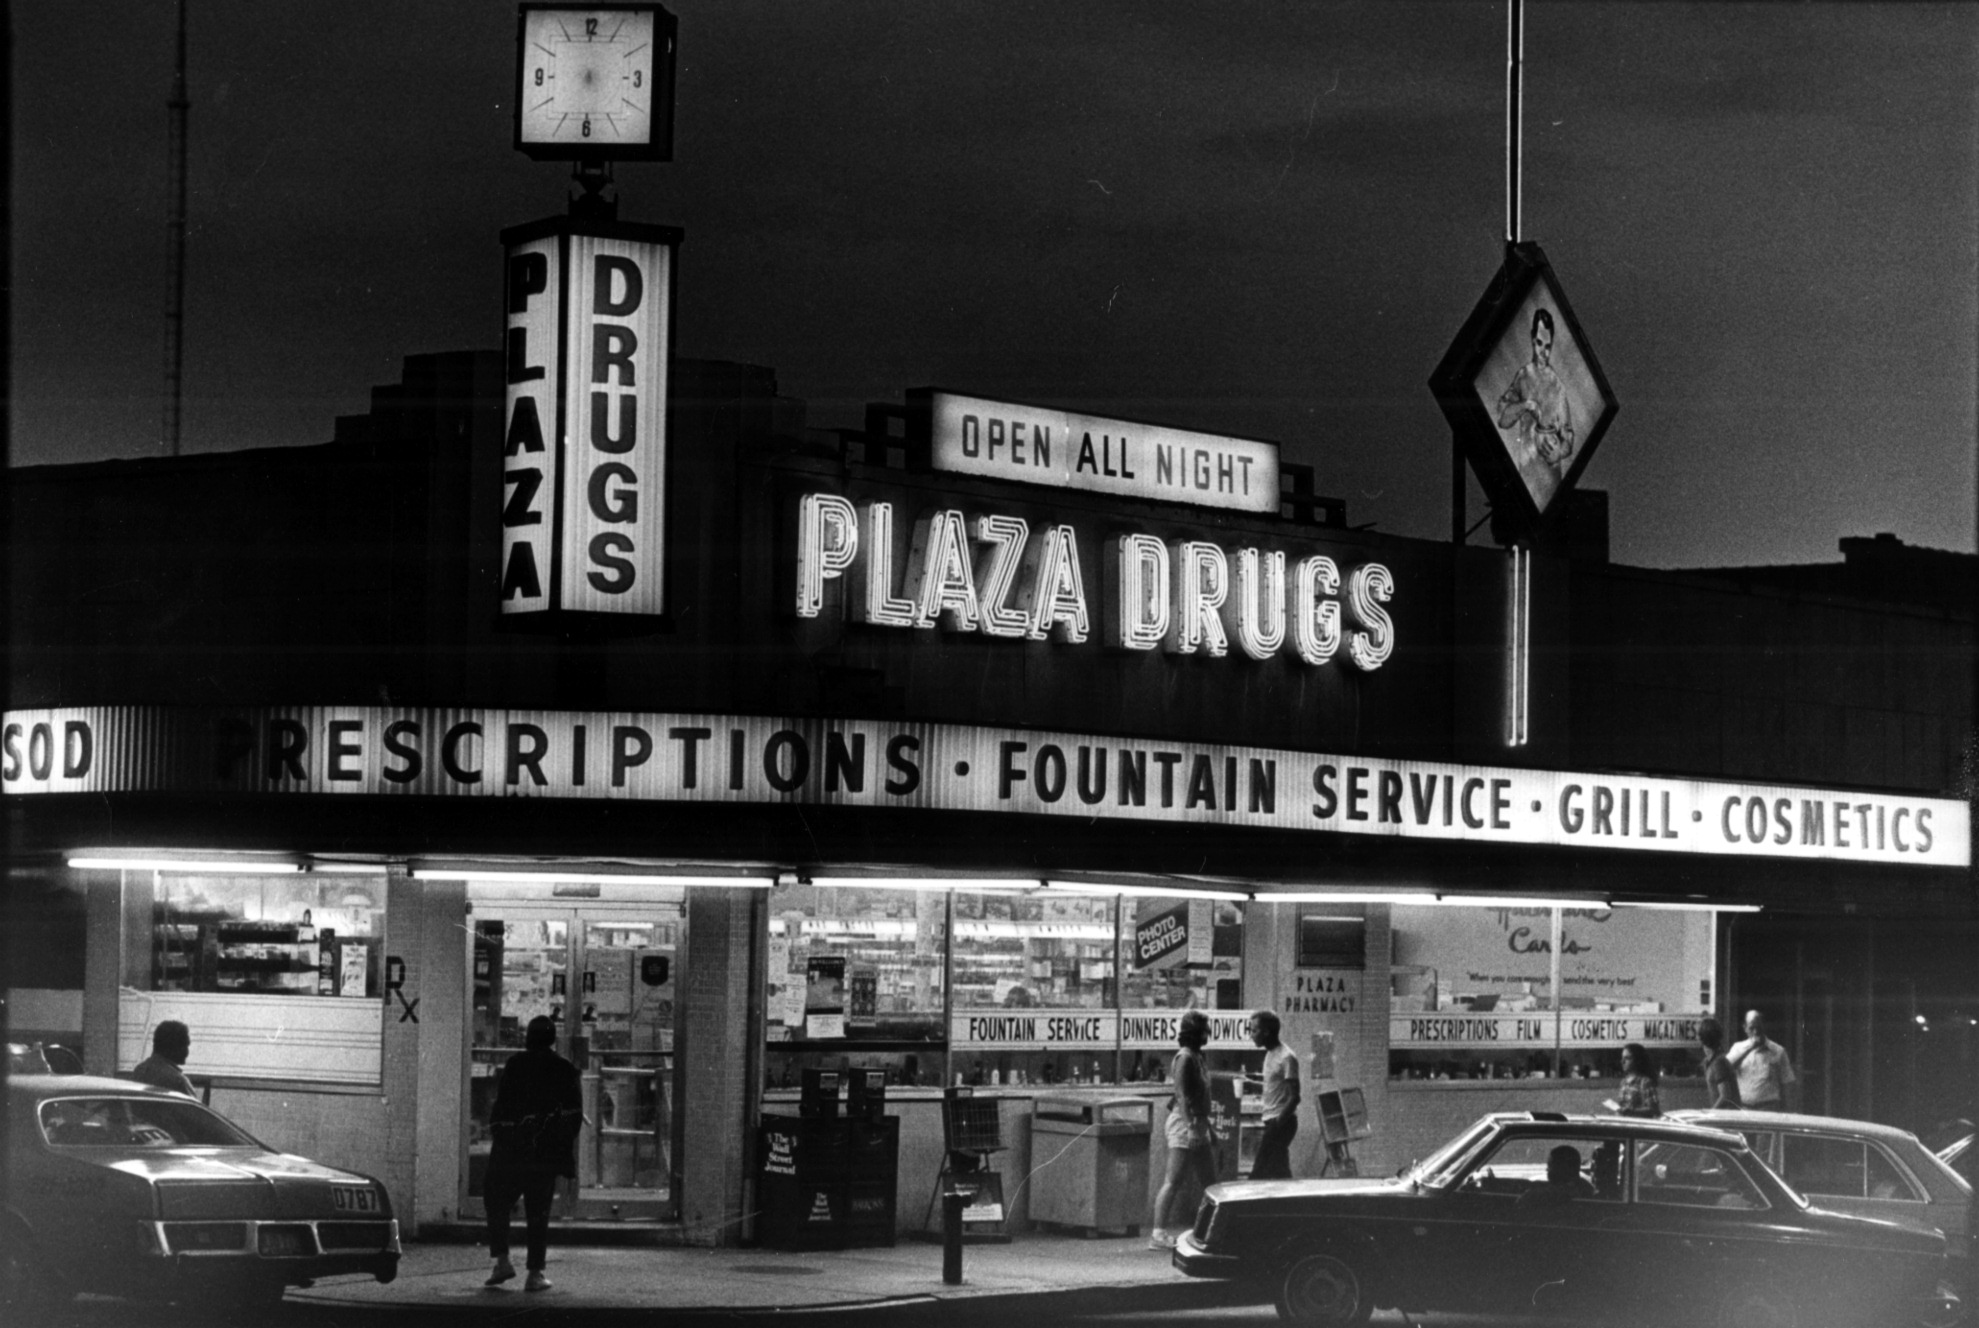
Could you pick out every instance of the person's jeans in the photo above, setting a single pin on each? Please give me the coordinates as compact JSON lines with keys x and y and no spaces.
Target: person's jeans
{"x":1274,"y":1149}
{"x":537,"y":1188}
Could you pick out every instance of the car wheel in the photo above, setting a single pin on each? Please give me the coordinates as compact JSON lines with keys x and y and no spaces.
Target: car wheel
{"x":1757,"y":1305}
{"x":26,"y":1282}
{"x":1324,"y":1289}
{"x":1953,"y":1318}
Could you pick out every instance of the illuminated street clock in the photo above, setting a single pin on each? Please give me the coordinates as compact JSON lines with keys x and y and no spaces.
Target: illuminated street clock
{"x":595,"y":82}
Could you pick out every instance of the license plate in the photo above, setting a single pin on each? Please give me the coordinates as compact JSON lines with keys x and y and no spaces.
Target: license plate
{"x":353,"y":1199}
{"x":286,"y":1242}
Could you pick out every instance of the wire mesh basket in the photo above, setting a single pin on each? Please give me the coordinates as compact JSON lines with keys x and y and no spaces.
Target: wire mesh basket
{"x":970,"y":1124}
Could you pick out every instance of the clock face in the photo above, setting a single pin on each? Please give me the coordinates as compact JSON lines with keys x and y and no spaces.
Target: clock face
{"x":595,"y":82}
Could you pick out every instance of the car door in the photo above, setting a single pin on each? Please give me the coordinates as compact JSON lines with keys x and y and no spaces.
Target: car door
{"x":1696,"y":1222}
{"x":1511,"y":1242}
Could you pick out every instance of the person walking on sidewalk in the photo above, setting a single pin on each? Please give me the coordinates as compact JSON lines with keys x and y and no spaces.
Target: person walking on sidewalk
{"x":538,"y":1111}
{"x":1278,"y":1101}
{"x":1720,"y":1080}
{"x":1189,"y":1157}
{"x":1764,"y":1070}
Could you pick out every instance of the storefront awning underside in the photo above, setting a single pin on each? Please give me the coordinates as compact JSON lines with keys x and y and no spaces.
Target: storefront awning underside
{"x":814,"y":839}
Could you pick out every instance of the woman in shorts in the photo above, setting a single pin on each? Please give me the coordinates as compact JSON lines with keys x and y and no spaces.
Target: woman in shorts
{"x":1188,"y":1131}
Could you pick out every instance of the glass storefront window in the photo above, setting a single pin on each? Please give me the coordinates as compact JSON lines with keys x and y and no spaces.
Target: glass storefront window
{"x":1182,"y":954}
{"x":268,"y":935}
{"x":1041,"y":982}
{"x":1039,"y":949}
{"x":1472,"y":991}
{"x":854,"y":963}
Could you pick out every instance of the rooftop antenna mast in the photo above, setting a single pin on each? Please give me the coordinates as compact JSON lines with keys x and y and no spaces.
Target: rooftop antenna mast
{"x":175,"y":243}
{"x":1514,"y":114}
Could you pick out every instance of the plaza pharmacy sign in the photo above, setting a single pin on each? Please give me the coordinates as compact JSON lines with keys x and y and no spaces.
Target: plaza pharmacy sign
{"x":584,"y":436}
{"x":757,"y":759}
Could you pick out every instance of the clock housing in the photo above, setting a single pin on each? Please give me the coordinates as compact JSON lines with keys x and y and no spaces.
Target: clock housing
{"x":594,"y":82}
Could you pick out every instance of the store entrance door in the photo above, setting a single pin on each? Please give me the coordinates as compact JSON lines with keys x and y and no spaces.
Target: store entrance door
{"x":606,"y":972}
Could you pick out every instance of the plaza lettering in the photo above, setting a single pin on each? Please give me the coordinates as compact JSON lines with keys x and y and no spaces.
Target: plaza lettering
{"x":992,"y":574}
{"x":1322,"y":993}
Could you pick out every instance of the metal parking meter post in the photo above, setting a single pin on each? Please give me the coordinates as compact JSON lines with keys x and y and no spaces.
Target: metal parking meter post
{"x":953,"y":1201}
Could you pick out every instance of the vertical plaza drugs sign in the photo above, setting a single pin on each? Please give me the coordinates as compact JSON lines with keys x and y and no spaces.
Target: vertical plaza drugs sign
{"x":589,"y":308}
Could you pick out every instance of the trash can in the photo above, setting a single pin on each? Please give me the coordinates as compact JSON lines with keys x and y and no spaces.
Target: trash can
{"x":1089,"y":1160}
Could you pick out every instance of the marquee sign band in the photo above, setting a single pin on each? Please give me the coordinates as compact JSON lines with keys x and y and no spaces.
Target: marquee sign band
{"x":668,"y":757}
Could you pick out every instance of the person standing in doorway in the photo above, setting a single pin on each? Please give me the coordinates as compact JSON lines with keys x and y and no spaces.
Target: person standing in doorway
{"x":171,"y":1044}
{"x":1189,"y":1156}
{"x":1765,"y":1072}
{"x":538,"y":1111}
{"x":1278,"y":1100}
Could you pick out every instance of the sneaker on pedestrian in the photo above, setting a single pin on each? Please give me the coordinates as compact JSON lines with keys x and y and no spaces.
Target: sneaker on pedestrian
{"x":1161,"y":1239}
{"x":504,"y":1272}
{"x":536,"y":1282}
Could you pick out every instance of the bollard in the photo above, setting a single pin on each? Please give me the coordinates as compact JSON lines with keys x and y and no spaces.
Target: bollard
{"x":953,"y":1201}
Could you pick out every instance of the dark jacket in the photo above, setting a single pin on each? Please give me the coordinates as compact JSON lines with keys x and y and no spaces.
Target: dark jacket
{"x":538,"y":1112}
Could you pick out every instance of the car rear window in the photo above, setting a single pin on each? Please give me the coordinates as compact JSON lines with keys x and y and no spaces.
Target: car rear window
{"x":136,"y":1122}
{"x":1817,"y":1165}
{"x":1692,"y":1176}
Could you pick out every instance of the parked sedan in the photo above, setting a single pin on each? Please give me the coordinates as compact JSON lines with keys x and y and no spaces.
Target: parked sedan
{"x":1854,"y":1166}
{"x":127,"y":1190}
{"x":1606,"y":1217}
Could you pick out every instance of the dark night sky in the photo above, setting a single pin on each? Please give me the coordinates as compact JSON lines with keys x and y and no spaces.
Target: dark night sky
{"x":1248,"y":217}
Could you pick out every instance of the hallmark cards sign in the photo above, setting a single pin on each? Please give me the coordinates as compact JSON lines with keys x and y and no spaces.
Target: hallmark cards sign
{"x":584,"y":437}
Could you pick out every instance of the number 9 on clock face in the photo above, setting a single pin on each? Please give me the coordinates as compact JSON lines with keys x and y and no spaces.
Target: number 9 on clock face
{"x":595,"y":81}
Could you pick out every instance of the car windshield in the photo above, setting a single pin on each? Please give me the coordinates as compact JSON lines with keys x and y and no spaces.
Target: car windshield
{"x":136,"y":1122}
{"x":1441,"y":1167}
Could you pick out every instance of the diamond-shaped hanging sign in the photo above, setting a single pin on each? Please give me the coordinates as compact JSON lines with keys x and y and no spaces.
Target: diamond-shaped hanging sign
{"x":1524,"y":394}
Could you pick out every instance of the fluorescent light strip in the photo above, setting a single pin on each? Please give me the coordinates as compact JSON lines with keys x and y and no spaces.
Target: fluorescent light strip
{"x":590,"y":878}
{"x":1152,"y":891}
{"x":1674,"y":907}
{"x":184,"y":865}
{"x":986,"y":886}
{"x":1517,"y":901}
{"x":1343,"y":897}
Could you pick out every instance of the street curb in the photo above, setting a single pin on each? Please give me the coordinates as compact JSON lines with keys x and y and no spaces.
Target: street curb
{"x":956,"y":1303}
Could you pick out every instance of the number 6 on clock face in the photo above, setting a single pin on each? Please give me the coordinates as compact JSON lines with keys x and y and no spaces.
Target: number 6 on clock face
{"x":595,"y":81}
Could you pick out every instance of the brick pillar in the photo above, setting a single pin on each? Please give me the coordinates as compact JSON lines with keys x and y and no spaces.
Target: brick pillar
{"x":712,"y":1053}
{"x":399,"y":1075}
{"x":103,"y":969}
{"x":425,"y":1070}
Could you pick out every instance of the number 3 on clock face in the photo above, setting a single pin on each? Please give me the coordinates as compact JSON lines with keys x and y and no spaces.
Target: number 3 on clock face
{"x":595,"y":81}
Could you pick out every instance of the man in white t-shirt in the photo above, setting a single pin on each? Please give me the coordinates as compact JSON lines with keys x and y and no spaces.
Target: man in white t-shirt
{"x":1280,"y":1100}
{"x":1764,"y":1070}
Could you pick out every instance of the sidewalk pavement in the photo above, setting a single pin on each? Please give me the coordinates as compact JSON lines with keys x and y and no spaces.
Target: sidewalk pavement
{"x":1046,"y":1274}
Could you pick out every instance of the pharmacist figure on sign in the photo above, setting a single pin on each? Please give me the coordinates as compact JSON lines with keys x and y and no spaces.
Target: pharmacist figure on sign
{"x":1279,"y":1087}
